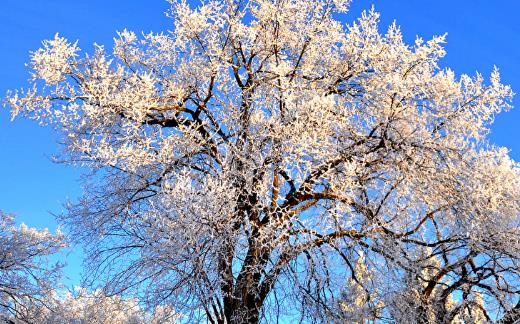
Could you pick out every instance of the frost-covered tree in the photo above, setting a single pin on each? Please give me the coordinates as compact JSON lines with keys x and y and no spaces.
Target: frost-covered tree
{"x":243,"y":161}
{"x":359,"y":303}
{"x":441,"y":305}
{"x":26,"y":275}
{"x":81,"y":307}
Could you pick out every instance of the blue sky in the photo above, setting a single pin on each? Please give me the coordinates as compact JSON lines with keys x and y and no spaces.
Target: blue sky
{"x":481,"y":33}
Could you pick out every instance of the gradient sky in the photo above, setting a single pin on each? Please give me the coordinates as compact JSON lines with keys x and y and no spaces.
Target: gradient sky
{"x":481,"y":33}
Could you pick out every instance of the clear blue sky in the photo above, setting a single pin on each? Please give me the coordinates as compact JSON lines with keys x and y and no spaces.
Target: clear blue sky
{"x":481,"y":33}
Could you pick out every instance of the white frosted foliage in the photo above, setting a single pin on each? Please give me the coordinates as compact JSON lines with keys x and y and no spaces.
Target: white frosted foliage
{"x":263,"y":161}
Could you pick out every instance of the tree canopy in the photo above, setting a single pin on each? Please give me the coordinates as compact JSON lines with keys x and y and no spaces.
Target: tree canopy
{"x":264,"y":161}
{"x":26,"y":276}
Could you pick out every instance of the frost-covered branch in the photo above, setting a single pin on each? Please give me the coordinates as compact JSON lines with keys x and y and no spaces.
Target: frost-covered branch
{"x":262,"y":158}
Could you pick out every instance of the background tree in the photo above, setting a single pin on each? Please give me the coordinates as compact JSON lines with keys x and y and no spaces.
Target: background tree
{"x":242,"y":162}
{"x":82,"y":307}
{"x":26,"y":276}
{"x":359,"y":302}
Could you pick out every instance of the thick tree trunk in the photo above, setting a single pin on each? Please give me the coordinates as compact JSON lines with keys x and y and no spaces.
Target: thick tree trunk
{"x":422,"y":315}
{"x":242,"y":312}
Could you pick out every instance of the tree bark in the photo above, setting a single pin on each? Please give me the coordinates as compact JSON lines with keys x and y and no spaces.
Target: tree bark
{"x":242,"y":311}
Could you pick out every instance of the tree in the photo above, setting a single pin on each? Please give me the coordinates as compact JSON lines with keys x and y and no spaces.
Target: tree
{"x":25,"y":274}
{"x":360,"y":302}
{"x":82,"y":307}
{"x":242,"y":162}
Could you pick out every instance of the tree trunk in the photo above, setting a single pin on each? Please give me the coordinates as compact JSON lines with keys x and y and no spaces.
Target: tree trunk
{"x":242,"y":312}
